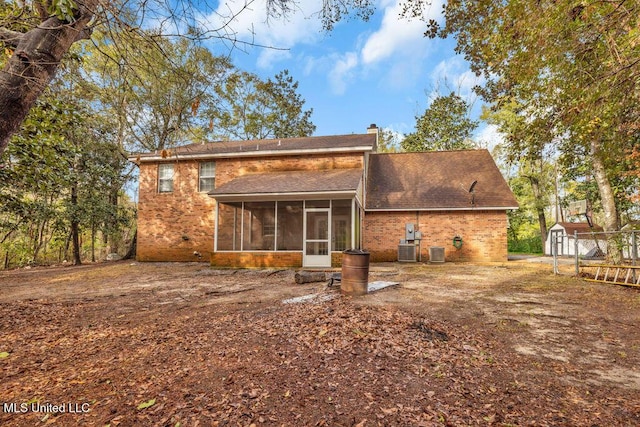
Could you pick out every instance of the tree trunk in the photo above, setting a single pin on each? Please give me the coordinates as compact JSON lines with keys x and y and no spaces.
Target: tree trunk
{"x":93,"y":242}
{"x":75,"y":227}
{"x":607,"y":198}
{"x":542,"y":221}
{"x":310,"y":277}
{"x":131,"y":253}
{"x":37,"y":54}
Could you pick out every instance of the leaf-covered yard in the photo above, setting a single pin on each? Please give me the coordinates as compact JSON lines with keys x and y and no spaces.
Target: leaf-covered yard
{"x":181,"y":344}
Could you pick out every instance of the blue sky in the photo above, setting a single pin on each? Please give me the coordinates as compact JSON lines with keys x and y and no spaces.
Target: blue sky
{"x":383,"y":71}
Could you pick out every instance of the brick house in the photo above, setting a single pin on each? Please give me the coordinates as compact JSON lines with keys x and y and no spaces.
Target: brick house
{"x":302,"y":201}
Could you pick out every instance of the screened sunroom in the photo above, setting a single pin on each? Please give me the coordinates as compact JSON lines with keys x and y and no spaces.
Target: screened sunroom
{"x":301,"y":218}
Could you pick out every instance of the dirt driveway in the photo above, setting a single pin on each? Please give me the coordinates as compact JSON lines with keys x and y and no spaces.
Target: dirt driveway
{"x":181,"y":344}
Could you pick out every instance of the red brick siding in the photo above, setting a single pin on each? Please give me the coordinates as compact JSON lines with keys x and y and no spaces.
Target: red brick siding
{"x":172,"y":226}
{"x":484,"y":234}
{"x":256,"y":259}
{"x":228,"y":169}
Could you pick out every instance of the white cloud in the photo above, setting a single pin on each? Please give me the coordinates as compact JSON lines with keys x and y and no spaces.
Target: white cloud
{"x":342,"y":72}
{"x":246,"y":21}
{"x":453,"y":75}
{"x":399,"y":35}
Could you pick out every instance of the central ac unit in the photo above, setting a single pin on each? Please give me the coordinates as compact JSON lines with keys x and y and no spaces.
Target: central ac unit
{"x":436,"y":254}
{"x":407,"y":252}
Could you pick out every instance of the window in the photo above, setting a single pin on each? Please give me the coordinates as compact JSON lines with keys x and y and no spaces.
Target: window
{"x":165,"y":178}
{"x":207,"y":176}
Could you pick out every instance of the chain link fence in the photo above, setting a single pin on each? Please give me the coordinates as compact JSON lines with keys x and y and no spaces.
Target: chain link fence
{"x":595,"y":251}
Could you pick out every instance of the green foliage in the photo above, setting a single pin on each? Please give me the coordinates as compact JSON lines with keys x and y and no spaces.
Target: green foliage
{"x":528,"y":245}
{"x":155,"y":88}
{"x":572,"y":70}
{"x":445,"y":125}
{"x":63,"y":9}
{"x":250,"y":108}
{"x":57,"y":172}
{"x":388,"y":141}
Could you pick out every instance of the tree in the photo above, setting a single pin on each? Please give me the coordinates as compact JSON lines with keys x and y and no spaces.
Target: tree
{"x":578,"y":64}
{"x":57,"y":178}
{"x":156,"y":99}
{"x":525,"y":151}
{"x":388,"y":141}
{"x":445,"y":125}
{"x":35,"y":35}
{"x":250,"y":108}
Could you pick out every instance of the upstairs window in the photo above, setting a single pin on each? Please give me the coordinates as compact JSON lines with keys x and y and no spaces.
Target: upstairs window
{"x":207,"y":176}
{"x":165,"y":178}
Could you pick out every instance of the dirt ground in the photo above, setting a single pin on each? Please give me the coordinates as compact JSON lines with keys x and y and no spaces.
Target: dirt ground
{"x":181,"y":344}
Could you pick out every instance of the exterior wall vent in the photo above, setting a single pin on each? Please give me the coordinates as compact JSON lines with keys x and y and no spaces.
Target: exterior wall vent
{"x":407,"y":252}
{"x":436,"y":254}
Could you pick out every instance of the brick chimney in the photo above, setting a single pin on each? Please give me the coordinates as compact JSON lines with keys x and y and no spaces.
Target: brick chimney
{"x":374,"y":129}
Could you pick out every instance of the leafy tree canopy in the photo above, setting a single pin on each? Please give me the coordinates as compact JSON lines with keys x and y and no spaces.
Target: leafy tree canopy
{"x":445,"y":125}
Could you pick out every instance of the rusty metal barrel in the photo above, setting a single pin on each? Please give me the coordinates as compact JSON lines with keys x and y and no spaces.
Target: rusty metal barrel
{"x":355,"y":272}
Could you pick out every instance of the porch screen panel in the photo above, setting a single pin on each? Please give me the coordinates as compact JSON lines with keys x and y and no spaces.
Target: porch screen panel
{"x":341,"y":225}
{"x":229,"y":226}
{"x":290,"y":226}
{"x":259,"y":226}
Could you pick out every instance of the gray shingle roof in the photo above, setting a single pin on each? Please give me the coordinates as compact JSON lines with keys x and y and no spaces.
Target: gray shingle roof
{"x":292,"y":182}
{"x":579,"y":227}
{"x":436,"y":180}
{"x":364,"y":142}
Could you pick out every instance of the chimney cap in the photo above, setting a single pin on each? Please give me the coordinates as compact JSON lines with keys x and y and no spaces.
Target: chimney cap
{"x":372,"y":126}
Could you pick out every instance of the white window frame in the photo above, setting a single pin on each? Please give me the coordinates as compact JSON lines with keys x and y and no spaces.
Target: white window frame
{"x":163,"y":177}
{"x":207,"y":177}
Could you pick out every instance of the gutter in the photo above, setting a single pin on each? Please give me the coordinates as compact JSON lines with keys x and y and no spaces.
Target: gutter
{"x":282,"y":196}
{"x":233,"y":154}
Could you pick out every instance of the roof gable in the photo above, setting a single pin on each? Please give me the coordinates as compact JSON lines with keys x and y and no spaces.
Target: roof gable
{"x":436,"y":180}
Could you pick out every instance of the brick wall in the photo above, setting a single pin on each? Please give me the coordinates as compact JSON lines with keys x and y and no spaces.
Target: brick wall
{"x":172,"y":226}
{"x":484,"y":234}
{"x":228,"y":169}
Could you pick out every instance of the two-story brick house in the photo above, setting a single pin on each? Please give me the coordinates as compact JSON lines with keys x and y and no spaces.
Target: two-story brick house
{"x":302,"y":201}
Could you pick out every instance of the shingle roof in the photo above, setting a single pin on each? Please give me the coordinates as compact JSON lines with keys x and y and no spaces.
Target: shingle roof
{"x":579,"y":227}
{"x":292,"y":182}
{"x":363,"y":142}
{"x":436,"y":180}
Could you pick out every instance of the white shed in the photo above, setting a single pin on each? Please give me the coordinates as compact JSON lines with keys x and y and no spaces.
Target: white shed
{"x":564,"y":234}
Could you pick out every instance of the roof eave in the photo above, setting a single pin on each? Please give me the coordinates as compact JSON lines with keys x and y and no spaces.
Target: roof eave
{"x":200,"y":156}
{"x":283,"y":196}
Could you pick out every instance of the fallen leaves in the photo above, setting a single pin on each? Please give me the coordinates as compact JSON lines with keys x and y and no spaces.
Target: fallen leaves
{"x":331,"y":362}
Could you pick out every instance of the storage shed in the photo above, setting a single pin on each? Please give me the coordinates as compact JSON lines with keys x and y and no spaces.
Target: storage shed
{"x":563,"y":234}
